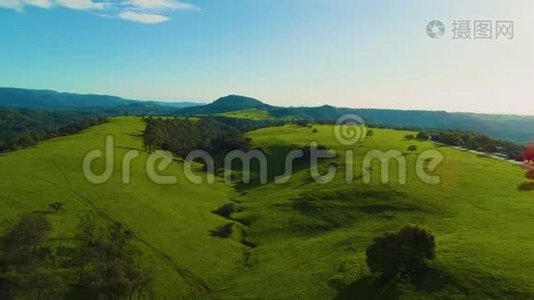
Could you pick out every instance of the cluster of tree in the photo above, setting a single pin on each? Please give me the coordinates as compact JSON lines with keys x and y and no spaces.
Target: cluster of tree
{"x":101,"y":262}
{"x":411,"y":148}
{"x":213,"y":134}
{"x":403,"y":252}
{"x":23,"y":127}
{"x":474,"y":141}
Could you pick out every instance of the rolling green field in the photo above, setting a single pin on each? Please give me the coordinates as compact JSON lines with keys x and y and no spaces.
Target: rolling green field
{"x":252,"y":114}
{"x":304,"y":240}
{"x":175,"y":220}
{"x":313,"y":237}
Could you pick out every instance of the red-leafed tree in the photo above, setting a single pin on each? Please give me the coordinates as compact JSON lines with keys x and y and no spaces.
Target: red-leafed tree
{"x":528,"y":152}
{"x":528,"y":156}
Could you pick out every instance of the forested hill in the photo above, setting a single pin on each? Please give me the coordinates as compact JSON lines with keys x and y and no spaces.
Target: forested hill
{"x":519,"y":129}
{"x":24,"y":127}
{"x":47,"y":99}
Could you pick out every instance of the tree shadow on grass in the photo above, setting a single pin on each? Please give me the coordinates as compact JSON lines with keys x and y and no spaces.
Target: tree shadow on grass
{"x":328,"y":210}
{"x":129,"y":148}
{"x":224,"y":231}
{"x":138,"y":134}
{"x":526,"y":187}
{"x":428,"y":281}
{"x":433,"y":280}
{"x":276,"y":165}
{"x":42,"y":212}
{"x":368,"y":288}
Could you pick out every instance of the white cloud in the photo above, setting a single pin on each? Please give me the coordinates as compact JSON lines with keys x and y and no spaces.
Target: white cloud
{"x":19,"y":4}
{"x":72,"y":4}
{"x":39,"y":3}
{"x":161,"y":5}
{"x":142,"y":17}
{"x":81,"y":4}
{"x":10,"y":4}
{"x":141,"y":11}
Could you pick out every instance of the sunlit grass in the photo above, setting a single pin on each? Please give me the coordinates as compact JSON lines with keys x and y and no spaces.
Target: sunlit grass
{"x":299,"y":240}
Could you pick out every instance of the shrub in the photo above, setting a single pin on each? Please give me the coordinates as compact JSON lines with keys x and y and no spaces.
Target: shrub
{"x":226,"y":210}
{"x":401,"y":252}
{"x":224,"y":231}
{"x":57,"y":206}
{"x":412,"y":148}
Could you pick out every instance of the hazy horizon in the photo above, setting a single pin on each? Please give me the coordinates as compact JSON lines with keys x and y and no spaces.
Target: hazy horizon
{"x":208,"y":101}
{"x":295,"y":53}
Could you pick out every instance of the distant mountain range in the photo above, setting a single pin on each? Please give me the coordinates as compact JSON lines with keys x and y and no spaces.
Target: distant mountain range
{"x":519,"y":129}
{"x":47,"y":99}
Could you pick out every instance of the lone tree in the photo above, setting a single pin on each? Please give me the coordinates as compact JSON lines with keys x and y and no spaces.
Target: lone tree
{"x":402,"y":252}
{"x":528,"y":153}
{"x":412,"y":148}
{"x":528,"y":156}
{"x":107,"y":262}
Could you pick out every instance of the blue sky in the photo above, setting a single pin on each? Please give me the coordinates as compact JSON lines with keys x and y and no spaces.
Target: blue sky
{"x":293,"y":52}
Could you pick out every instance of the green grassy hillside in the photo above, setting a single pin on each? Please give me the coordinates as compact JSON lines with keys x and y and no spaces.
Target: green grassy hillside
{"x":173,"y":220}
{"x":252,"y":113}
{"x":312,"y":238}
{"x":304,"y":240}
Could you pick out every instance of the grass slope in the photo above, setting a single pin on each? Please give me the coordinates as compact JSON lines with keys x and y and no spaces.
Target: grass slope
{"x":312,"y":238}
{"x":309,"y":238}
{"x":172,"y":222}
{"x":252,"y":114}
